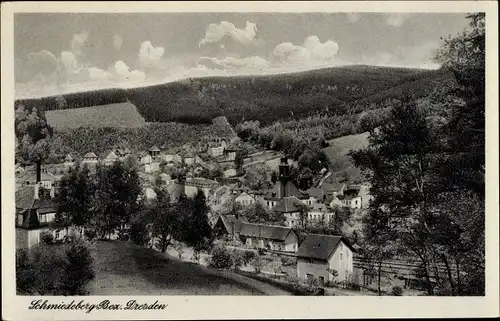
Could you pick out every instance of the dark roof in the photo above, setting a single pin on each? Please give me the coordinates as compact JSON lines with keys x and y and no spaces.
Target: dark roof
{"x":288,"y":205}
{"x":290,"y":189}
{"x":25,"y":197}
{"x":45,"y":206}
{"x":231,"y":221}
{"x":270,"y":232}
{"x":315,"y":192}
{"x":320,"y":247}
{"x":346,"y":197}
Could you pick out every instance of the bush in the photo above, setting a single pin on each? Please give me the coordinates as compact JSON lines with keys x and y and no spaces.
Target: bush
{"x":221,"y":258}
{"x":288,"y":261}
{"x":261,"y":251}
{"x":397,"y":291}
{"x":123,"y":235}
{"x":248,"y":256}
{"x":46,"y":238}
{"x":90,"y":234}
{"x":68,"y":239}
{"x":54,"y":270}
{"x":139,"y":234}
{"x":78,"y":271}
{"x":238,"y":259}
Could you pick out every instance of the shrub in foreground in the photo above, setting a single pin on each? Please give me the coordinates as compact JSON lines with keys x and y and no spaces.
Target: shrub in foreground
{"x":221,"y":258}
{"x":54,"y":270}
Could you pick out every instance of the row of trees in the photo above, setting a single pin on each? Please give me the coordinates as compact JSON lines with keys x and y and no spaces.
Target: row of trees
{"x":109,"y":200}
{"x":103,"y":200}
{"x":428,"y":177}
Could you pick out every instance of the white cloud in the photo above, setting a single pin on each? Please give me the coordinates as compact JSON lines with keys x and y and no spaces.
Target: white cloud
{"x":117,"y":41}
{"x":42,"y":63}
{"x":68,"y":61}
{"x":353,"y":16}
{"x":78,"y":42}
{"x":312,"y":53}
{"x":217,"y":32}
{"x":396,"y":19}
{"x":231,"y":64}
{"x":95,"y":73}
{"x":149,"y":56}
{"x":122,"y":71}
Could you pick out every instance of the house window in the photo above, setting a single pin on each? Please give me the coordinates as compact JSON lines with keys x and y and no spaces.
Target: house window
{"x":321,"y":280}
{"x":57,"y":235}
{"x":309,"y":276}
{"x":341,"y":256}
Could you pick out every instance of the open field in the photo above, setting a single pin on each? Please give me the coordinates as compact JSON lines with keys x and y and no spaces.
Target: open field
{"x":338,"y":150}
{"x":122,"y":115}
{"x":125,"y":269}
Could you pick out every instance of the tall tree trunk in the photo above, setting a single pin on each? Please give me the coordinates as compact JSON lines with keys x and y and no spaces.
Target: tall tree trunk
{"x":379,"y":277}
{"x":430,"y":290}
{"x":450,"y":276}
{"x":459,"y":282}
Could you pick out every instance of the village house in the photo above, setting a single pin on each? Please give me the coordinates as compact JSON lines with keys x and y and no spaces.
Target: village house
{"x":319,"y":213}
{"x":228,"y":158}
{"x":153,"y":167}
{"x":90,"y":159}
{"x":198,"y":170}
{"x":41,"y":179}
{"x":271,"y":237}
{"x":318,"y":255}
{"x":229,"y":172}
{"x":350,"y":201}
{"x":36,"y":212}
{"x":154,"y":151}
{"x":167,"y":158}
{"x":69,"y":162}
{"x":332,"y":201}
{"x":244,"y":199}
{"x":228,"y":227}
{"x":193,"y":184}
{"x":122,"y":153}
{"x":189,"y":159}
{"x":290,"y":207}
{"x":110,"y":159}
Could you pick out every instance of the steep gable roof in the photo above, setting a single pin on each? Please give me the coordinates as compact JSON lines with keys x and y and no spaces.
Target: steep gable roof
{"x":111,"y":156}
{"x":232,"y":223}
{"x":271,"y":232}
{"x":288,"y":205}
{"x":90,"y":155}
{"x":25,"y":197}
{"x":320,"y":247}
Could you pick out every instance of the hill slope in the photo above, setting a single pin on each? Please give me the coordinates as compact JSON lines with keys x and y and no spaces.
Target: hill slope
{"x":341,"y":90}
{"x":337,"y":154}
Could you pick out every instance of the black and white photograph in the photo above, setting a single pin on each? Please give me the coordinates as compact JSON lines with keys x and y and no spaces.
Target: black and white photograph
{"x":249,"y":154}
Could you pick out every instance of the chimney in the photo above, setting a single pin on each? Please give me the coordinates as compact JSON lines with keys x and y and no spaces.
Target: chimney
{"x":38,"y":171}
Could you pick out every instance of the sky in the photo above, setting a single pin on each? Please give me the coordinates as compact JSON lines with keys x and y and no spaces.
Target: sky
{"x":69,"y":52}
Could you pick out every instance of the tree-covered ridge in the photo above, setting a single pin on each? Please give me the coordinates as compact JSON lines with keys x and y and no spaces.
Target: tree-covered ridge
{"x":331,"y":91}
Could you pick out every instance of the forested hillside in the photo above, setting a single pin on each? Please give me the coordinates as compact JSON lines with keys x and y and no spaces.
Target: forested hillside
{"x":332,"y":91}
